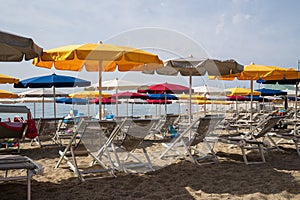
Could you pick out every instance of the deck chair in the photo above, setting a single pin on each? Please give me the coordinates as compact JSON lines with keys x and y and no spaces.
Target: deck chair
{"x":251,"y":140}
{"x":91,"y":139}
{"x":18,"y":162}
{"x":125,"y":143}
{"x":162,"y":127}
{"x":46,"y":129}
{"x":292,"y":135}
{"x":14,"y":130}
{"x":197,"y":132}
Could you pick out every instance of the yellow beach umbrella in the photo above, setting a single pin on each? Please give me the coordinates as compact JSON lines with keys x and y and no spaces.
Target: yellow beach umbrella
{"x":88,"y":94}
{"x":7,"y":94}
{"x":98,"y":57}
{"x":7,"y":79}
{"x":255,"y":72}
{"x":195,"y":96}
{"x":242,"y":92}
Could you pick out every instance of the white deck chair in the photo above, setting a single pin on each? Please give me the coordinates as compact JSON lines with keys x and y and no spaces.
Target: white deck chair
{"x":18,"y":162}
{"x":197,"y":132}
{"x":125,"y":142}
{"x":251,"y":140}
{"x":91,"y":139}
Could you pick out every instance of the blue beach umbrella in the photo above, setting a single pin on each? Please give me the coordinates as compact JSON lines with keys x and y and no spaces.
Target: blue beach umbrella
{"x":78,"y":101}
{"x":271,"y":92}
{"x":55,"y":81}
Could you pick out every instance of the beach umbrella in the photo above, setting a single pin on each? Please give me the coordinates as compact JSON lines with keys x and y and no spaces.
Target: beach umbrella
{"x":78,"y":101}
{"x":13,"y":48}
{"x":209,"y":90}
{"x":255,"y":72}
{"x":52,"y":81}
{"x":129,"y":95}
{"x":39,"y":95}
{"x":98,"y":57}
{"x":117,"y":84}
{"x":242,"y":92}
{"x":7,"y":79}
{"x":7,"y":94}
{"x":192,"y":66}
{"x":286,"y":81}
{"x":88,"y":94}
{"x":271,"y":92}
{"x":165,"y":88}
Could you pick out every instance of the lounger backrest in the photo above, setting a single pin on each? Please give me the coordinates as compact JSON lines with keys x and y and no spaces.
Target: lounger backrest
{"x":92,"y":135}
{"x":206,"y":125}
{"x":136,"y":131}
{"x":269,"y":124}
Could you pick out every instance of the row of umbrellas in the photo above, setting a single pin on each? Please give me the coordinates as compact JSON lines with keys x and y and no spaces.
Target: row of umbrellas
{"x":105,"y":57}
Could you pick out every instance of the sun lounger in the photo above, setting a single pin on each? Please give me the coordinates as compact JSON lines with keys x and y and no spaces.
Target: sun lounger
{"x":197,"y":132}
{"x":18,"y":162}
{"x":91,"y":138}
{"x":125,"y":142}
{"x":250,"y":140}
{"x":14,"y":130}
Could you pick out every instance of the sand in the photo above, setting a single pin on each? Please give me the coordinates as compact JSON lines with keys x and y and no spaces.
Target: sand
{"x":230,"y":178}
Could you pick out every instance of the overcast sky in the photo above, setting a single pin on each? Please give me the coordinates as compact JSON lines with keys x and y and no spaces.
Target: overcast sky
{"x":264,"y":32}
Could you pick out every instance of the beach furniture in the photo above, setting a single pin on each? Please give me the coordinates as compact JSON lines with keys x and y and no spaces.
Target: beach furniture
{"x":14,"y":130}
{"x":252,"y":140}
{"x":87,"y":140}
{"x":47,"y":128}
{"x":125,"y":142}
{"x":289,"y":135}
{"x":18,"y":162}
{"x":162,"y":128}
{"x":201,"y":130}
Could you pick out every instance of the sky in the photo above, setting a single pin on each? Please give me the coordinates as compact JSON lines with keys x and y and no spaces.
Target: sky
{"x":263,"y":32}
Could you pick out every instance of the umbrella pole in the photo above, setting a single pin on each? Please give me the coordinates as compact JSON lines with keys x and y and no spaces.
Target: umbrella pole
{"x":296,"y":98}
{"x":54,"y":103}
{"x":251,"y":100}
{"x":190,"y":99}
{"x":100,"y":90}
{"x":34,"y":109}
{"x":43,"y":106}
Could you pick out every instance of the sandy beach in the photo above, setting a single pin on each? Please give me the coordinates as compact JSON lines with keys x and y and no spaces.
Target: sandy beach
{"x":279,"y":178}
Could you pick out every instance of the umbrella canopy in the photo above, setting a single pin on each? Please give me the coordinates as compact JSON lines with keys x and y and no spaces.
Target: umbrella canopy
{"x":194,"y":96}
{"x":158,"y":101}
{"x":7,"y":94}
{"x":130,"y":95}
{"x":255,"y":72}
{"x":237,"y":98}
{"x":162,"y":96}
{"x":209,"y":90}
{"x":7,"y":79}
{"x":14,"y":48}
{"x":242,"y":92}
{"x":54,"y":81}
{"x":191,"y":66}
{"x":42,"y":93}
{"x":88,"y":94}
{"x":271,"y":92}
{"x":166,"y":88}
{"x":98,"y":57}
{"x":78,"y":101}
{"x":116,"y":84}
{"x":104,"y":101}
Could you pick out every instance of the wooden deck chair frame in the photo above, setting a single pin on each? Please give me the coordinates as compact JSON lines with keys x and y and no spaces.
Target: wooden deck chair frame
{"x":199,"y":129}
{"x":135,"y":131}
{"x":250,"y":140}
{"x":70,"y":151}
{"x":18,"y":162}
